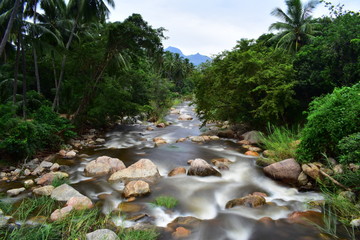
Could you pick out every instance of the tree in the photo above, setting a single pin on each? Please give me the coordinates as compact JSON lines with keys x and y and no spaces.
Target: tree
{"x":296,"y":28}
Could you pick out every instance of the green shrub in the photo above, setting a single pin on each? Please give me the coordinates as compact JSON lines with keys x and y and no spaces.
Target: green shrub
{"x":281,"y":141}
{"x":350,"y":149}
{"x":165,"y":201}
{"x":330,"y":119}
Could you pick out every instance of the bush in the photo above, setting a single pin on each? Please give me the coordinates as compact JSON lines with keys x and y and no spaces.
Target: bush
{"x":350,"y":149}
{"x":330,"y":119}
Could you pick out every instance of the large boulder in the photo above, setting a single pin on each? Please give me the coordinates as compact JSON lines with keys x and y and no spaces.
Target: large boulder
{"x":64,"y":193}
{"x":201,"y":168}
{"x":103,"y":166}
{"x":286,"y":171}
{"x":44,"y":191}
{"x":102,"y":234}
{"x":143,"y":169}
{"x":136,"y":188}
{"x":252,"y":137}
{"x":247,"y":201}
{"x":48,"y":178}
{"x":80,"y":203}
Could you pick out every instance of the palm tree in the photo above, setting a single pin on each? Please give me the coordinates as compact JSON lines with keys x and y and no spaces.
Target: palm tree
{"x":296,"y":28}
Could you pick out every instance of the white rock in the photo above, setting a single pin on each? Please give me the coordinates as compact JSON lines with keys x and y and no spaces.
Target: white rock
{"x":102,"y":234}
{"x":15,"y":191}
{"x":65,"y":192}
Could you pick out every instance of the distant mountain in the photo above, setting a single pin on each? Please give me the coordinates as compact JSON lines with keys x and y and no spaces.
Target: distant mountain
{"x":195,"y":59}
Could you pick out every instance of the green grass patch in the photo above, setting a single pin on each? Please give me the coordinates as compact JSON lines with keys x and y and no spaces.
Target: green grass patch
{"x":60,"y":181}
{"x":37,"y":206}
{"x":148,"y":234}
{"x":6,"y":207}
{"x":281,"y":141}
{"x":165,"y":201}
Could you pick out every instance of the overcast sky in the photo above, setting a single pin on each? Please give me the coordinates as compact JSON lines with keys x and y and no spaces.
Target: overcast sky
{"x":209,"y":26}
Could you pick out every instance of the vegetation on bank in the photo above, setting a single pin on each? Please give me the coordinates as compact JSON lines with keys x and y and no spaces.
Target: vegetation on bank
{"x":165,"y":201}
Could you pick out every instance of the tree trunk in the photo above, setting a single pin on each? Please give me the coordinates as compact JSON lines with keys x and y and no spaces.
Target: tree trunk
{"x":24,"y":76}
{"x":16,"y":71}
{"x":35,"y":56}
{"x":57,"y":98}
{"x":9,"y":27}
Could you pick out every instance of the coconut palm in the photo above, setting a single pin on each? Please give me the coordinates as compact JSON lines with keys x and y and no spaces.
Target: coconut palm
{"x":296,"y":28}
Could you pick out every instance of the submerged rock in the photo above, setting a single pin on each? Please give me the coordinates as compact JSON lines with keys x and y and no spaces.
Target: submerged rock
{"x":14,"y":192}
{"x":177,"y":171}
{"x":181,"y":232}
{"x":248,"y":201}
{"x":201,"y":168}
{"x":143,"y":169}
{"x":103,"y":166}
{"x":102,"y":234}
{"x":185,"y":117}
{"x":159,"y":141}
{"x":286,"y":171}
{"x":187,"y":222}
{"x":252,"y":153}
{"x":136,"y":188}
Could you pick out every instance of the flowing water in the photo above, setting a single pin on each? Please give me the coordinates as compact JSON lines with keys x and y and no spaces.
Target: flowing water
{"x":201,"y":197}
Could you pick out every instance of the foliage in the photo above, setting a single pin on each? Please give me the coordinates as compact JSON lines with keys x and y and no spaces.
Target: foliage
{"x":350,"y":149}
{"x":149,"y":234}
{"x":282,"y":141}
{"x":38,"y":206}
{"x":330,"y":119}
{"x":59,"y":181}
{"x":253,"y":84}
{"x":165,"y":201}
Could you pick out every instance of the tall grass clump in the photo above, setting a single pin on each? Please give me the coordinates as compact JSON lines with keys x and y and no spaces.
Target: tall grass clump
{"x":59,"y":181}
{"x":38,"y":206}
{"x":147,"y":234}
{"x":281,"y":141}
{"x":165,"y":201}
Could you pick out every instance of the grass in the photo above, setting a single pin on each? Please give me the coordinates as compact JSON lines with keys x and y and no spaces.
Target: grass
{"x":38,"y":206}
{"x":148,"y":234}
{"x":282,"y":141}
{"x":60,"y":181}
{"x":165,"y":201}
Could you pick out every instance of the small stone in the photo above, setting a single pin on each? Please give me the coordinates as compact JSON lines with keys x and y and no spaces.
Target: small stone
{"x":136,"y":188}
{"x":201,"y":168}
{"x":159,"y":141}
{"x":185,"y":117}
{"x":354,"y":167}
{"x":181,"y":232}
{"x":44,"y":191}
{"x":28,"y":183}
{"x":2,"y":174}
{"x":60,"y":213}
{"x":338,"y":169}
{"x":150,"y":129}
{"x":48,"y":178}
{"x":244,"y":142}
{"x":268,"y":153}
{"x":70,"y":154}
{"x":303,"y":179}
{"x":348,"y":195}
{"x":45,"y":164}
{"x":161,"y":125}
{"x":355,"y":222}
{"x":16,"y":172}
{"x":100,"y":141}
{"x":251,"y":153}
{"x":248,"y":201}
{"x":255,"y":149}
{"x":55,"y":167}
{"x":102,"y":234}
{"x":62,"y":153}
{"x":27,"y":172}
{"x":214,"y":138}
{"x":80,"y":203}
{"x":181,"y":140}
{"x":15,"y":191}
{"x":197,"y":139}
{"x":38,"y":171}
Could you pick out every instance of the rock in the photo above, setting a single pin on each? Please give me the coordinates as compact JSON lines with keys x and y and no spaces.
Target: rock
{"x":27,"y":172}
{"x":197,"y":139}
{"x":48,"y":178}
{"x":253,"y":137}
{"x":218,"y":161}
{"x":62,"y":153}
{"x":37,"y":220}
{"x":189,"y":161}
{"x":80,"y":203}
{"x":248,"y":201}
{"x":159,"y":141}
{"x":44,"y":191}
{"x":83,"y":156}
{"x":263,"y":162}
{"x":261,"y":194}
{"x":143,"y":169}
{"x":177,"y":171}
{"x":103,"y":165}
{"x":60,"y":213}
{"x":255,"y":149}
{"x":354,"y":167}
{"x":349,"y":195}
{"x":70,"y":154}
{"x":46,"y":164}
{"x":355,"y":222}
{"x":286,"y":171}
{"x":130,"y":207}
{"x":187,"y":222}
{"x":64,"y":193}
{"x":181,"y":232}
{"x":55,"y":167}
{"x":100,"y":141}
{"x":16,"y":172}
{"x":222,"y":166}
{"x":102,"y":234}
{"x":28,"y":183}
{"x":303,"y":179}
{"x":185,"y":117}
{"x":15,"y":191}
{"x":307,"y":218}
{"x":251,"y":153}
{"x":244,"y":142}
{"x":228,"y":133}
{"x":181,"y":140}
{"x":175,"y":111}
{"x":338,"y":169}
{"x":332,"y":161}
{"x":136,"y":188}
{"x":160,"y":125}
{"x":150,"y":129}
{"x":214,"y":138}
{"x":312,"y":170}
{"x":2,"y":174}
{"x":201,"y":168}
{"x":38,"y":171}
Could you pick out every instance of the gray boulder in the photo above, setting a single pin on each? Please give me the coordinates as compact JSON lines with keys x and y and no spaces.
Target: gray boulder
{"x":64,"y":193}
{"x":201,"y":168}
{"x":102,"y":234}
{"x":286,"y":171}
{"x":103,"y":166}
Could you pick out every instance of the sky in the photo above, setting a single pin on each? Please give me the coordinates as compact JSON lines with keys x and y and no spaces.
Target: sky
{"x":209,"y":26}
